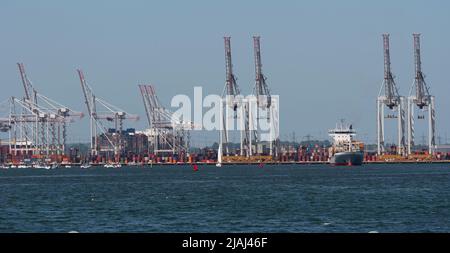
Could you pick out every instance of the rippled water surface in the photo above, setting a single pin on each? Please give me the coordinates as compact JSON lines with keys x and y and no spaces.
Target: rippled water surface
{"x":286,"y":198}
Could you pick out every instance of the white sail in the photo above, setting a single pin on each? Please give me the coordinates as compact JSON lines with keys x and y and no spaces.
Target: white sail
{"x":219,"y":156}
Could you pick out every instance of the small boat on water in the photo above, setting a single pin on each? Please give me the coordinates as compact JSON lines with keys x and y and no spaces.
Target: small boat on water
{"x":345,"y":150}
{"x":85,"y":166}
{"x":112,"y":165}
{"x":42,"y":166}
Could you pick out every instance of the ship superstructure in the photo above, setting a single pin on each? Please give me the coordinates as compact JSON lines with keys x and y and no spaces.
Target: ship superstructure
{"x":345,"y":150}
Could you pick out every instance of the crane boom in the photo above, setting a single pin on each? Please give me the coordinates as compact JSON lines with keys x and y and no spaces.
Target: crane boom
{"x":231,"y":84}
{"x":390,"y":88}
{"x":85,"y":89}
{"x":30,"y":92}
{"x":261,"y":87}
{"x":422,"y":93}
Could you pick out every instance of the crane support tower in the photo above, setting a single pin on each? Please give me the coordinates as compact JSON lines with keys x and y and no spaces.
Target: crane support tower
{"x":391,"y":99}
{"x":421,"y":99}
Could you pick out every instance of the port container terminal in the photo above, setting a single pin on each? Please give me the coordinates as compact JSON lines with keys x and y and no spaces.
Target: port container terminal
{"x":37,"y":127}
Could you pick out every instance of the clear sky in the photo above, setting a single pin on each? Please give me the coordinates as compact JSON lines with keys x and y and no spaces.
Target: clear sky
{"x":324,"y":58}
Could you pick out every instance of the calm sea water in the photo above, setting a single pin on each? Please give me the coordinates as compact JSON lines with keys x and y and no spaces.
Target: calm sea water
{"x":287,"y":198}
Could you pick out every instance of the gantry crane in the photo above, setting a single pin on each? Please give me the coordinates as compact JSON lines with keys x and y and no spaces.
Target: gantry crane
{"x":392,"y":100}
{"x":110,"y":113}
{"x":38,"y":128}
{"x":264,"y":101}
{"x":168,"y":134}
{"x":421,"y":98}
{"x":232,"y":99}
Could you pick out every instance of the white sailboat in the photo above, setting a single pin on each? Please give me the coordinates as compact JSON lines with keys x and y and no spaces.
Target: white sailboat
{"x":219,"y":157}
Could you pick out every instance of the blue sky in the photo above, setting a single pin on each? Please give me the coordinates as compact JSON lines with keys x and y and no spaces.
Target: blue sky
{"x":324,"y":58}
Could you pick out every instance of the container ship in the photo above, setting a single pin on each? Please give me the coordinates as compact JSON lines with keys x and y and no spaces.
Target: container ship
{"x":345,"y":150}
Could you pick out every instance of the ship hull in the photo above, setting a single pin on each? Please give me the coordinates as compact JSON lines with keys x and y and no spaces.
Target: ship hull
{"x":347,"y":158}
